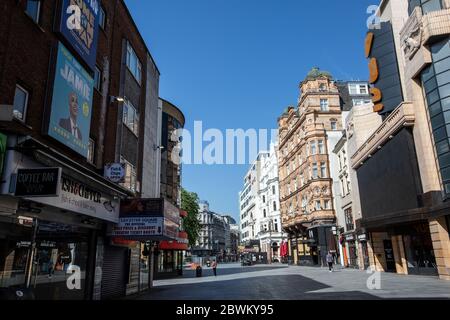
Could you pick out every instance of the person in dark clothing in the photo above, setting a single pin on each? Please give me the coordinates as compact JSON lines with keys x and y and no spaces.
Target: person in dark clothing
{"x":330,"y":261}
{"x":214,"y":267}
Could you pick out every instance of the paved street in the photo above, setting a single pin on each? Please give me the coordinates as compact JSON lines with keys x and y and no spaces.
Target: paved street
{"x":293,"y":283}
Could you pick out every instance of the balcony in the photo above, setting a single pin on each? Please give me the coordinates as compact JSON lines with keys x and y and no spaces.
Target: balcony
{"x":402,"y":116}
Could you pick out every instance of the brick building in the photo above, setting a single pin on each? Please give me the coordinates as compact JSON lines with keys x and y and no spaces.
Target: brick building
{"x":74,"y":100}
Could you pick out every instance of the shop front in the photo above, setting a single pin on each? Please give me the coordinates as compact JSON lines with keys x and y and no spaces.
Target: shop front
{"x":351,"y":251}
{"x":363,"y":251}
{"x":48,"y":241}
{"x":153,"y":226}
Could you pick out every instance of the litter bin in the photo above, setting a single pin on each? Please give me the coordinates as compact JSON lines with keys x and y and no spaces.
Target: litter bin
{"x":199,"y":271}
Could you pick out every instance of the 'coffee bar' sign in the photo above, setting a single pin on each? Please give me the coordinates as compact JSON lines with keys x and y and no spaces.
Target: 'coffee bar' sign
{"x":40,"y":182}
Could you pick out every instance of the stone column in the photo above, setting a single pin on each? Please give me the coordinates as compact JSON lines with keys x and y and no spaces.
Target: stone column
{"x":399,"y":254}
{"x":441,"y":246}
{"x":376,"y":251}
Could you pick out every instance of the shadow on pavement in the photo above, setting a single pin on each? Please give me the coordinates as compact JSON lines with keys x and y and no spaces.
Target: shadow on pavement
{"x":207,"y":272}
{"x":286,"y":287}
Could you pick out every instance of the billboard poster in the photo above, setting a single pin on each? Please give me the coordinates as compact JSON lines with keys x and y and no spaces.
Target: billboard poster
{"x":71,"y":109}
{"x":79,"y":26}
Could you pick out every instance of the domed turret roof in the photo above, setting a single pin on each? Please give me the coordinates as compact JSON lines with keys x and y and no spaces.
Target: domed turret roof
{"x":317,"y":73}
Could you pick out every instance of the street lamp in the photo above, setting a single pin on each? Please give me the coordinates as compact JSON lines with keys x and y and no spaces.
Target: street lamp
{"x":116,"y":99}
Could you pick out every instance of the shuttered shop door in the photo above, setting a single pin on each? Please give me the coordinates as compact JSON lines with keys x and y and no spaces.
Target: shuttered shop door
{"x":114,"y":273}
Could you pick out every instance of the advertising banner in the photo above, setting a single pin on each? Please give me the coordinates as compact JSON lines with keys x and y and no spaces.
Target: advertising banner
{"x":79,"y":25}
{"x":139,"y":227}
{"x":71,"y":109}
{"x":135,"y":213}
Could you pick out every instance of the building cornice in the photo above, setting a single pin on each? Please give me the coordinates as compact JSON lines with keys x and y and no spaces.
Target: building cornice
{"x":402,"y":116}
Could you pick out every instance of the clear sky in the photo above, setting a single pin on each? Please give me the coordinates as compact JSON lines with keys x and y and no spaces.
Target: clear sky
{"x":237,"y":64}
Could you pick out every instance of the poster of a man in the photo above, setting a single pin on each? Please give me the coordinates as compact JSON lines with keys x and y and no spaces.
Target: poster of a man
{"x":71,"y":108}
{"x":70,"y":124}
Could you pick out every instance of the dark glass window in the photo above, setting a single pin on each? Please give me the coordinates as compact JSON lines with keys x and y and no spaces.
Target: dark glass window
{"x":444,"y":91}
{"x":442,"y":147}
{"x":431,"y":5}
{"x":442,"y":65}
{"x":443,"y":78}
{"x":430,"y":85}
{"x":444,"y":160}
{"x":445,"y":104}
{"x":33,"y":9}
{"x":435,"y":109}
{"x":440,"y":50}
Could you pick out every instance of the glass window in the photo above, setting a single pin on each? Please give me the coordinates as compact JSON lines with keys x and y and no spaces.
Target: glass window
{"x":274,"y":206}
{"x":431,"y":5}
{"x":333,"y":125}
{"x":102,"y":18}
{"x":432,"y":97}
{"x":91,"y":151}
{"x":323,"y":170}
{"x":442,"y":65}
{"x":131,"y":117}
{"x":443,"y":78}
{"x":133,"y":63}
{"x":318,"y":207}
{"x":98,"y":79}
{"x":445,"y":103}
{"x":273,"y":189}
{"x":427,"y":73}
{"x":440,"y":134}
{"x":324,"y":105}
{"x":313,"y":148}
{"x":314,"y":171}
{"x":327,"y":204}
{"x":430,"y":85}
{"x":442,"y":147}
{"x":437,"y":121}
{"x":363,"y":89}
{"x":33,"y":9}
{"x":435,"y":109}
{"x":130,"y":175}
{"x":353,"y":89}
{"x":441,"y":50}
{"x":444,"y":91}
{"x":321,"y":147}
{"x":20,"y":103}
{"x":444,"y":160}
{"x":445,"y":173}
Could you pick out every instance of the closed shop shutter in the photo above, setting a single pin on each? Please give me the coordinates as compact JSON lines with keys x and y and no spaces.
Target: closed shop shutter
{"x":114,"y":272}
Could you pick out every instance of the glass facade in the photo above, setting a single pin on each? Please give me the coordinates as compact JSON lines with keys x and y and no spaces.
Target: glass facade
{"x":46,"y":263}
{"x":426,"y":5}
{"x":436,"y":86}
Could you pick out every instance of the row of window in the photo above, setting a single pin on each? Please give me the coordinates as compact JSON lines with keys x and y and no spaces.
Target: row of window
{"x":318,"y":205}
{"x":299,"y":182}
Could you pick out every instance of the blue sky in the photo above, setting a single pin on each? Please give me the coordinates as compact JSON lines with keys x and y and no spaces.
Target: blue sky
{"x":237,"y":64}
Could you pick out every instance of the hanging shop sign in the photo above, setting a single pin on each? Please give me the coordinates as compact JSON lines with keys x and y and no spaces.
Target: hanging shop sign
{"x":71,"y":108}
{"x":79,"y":25}
{"x":81,"y":198}
{"x":139,"y":227}
{"x":42,"y":182}
{"x":350,"y":237}
{"x":362,"y":237}
{"x":147,"y":220}
{"x":115,"y":172}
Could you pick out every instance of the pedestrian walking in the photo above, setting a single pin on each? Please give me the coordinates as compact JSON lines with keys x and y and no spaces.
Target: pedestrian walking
{"x":330,"y":260}
{"x":214,"y":267}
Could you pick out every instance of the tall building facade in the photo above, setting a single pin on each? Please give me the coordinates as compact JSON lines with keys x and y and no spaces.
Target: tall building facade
{"x":270,"y":231}
{"x":169,"y":255}
{"x":307,"y":136}
{"x":73,"y":106}
{"x":248,"y":200}
{"x":214,"y":239}
{"x":402,"y":168}
{"x":354,"y":95}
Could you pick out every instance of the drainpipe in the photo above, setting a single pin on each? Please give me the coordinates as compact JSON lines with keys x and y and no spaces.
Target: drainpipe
{"x":104,"y":105}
